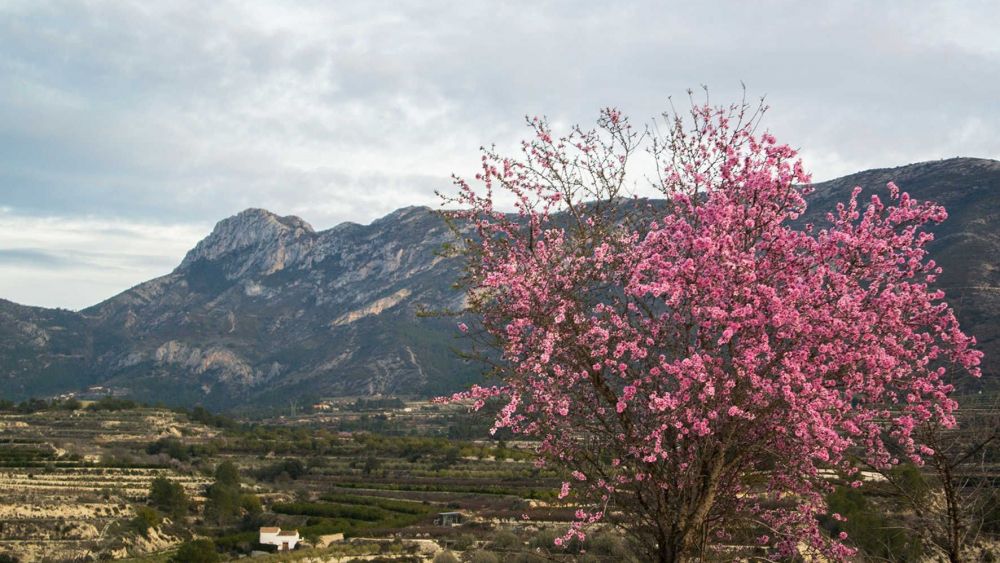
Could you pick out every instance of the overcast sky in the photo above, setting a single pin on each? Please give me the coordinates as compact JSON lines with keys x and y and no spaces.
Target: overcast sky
{"x":127,"y":129}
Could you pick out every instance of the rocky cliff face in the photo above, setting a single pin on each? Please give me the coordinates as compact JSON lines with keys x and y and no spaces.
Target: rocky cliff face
{"x":263,"y":242}
{"x":266,"y":309}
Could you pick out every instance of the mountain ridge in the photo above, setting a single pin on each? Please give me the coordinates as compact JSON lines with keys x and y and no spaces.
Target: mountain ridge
{"x":266,"y":309}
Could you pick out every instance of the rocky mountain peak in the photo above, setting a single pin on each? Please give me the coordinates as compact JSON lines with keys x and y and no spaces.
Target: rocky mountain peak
{"x":263,"y":216}
{"x":258,"y":236}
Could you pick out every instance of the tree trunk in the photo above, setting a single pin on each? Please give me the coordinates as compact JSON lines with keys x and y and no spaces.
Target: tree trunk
{"x":954,"y":530}
{"x":670,"y":550}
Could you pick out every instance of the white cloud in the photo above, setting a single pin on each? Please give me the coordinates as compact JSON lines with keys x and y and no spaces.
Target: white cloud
{"x":75,"y":263}
{"x":186,"y":112}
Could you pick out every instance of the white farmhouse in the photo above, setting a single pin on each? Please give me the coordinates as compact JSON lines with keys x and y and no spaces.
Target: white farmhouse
{"x":284,"y":539}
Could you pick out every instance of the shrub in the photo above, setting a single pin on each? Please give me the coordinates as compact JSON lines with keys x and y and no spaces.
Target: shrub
{"x":112,"y":404}
{"x":227,"y":474}
{"x":446,"y":557}
{"x":610,"y":546}
{"x":145,"y":518}
{"x":868,"y":529}
{"x":169,"y":497}
{"x":196,"y":551}
{"x":480,"y":556}
{"x":71,"y":404}
{"x":292,"y":468}
{"x":506,"y":541}
{"x":908,"y":477}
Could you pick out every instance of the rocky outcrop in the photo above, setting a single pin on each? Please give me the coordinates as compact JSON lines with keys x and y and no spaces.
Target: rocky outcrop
{"x":264,"y":242}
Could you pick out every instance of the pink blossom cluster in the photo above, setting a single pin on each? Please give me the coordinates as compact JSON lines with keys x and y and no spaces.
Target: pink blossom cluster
{"x":709,"y":352}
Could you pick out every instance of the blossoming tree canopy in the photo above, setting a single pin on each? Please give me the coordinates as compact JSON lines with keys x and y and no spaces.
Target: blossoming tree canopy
{"x":697,"y":364}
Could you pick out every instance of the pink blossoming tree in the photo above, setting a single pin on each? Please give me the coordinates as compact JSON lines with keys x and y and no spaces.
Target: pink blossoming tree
{"x":700,"y":365}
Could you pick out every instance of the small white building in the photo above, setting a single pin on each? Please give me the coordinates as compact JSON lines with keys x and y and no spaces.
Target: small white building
{"x":284,"y":539}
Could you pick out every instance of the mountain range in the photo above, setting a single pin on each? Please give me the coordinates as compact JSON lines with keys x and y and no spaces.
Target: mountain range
{"x":267,"y":310}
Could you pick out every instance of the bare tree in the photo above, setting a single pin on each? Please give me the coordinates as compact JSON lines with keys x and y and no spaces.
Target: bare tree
{"x":954,"y":498}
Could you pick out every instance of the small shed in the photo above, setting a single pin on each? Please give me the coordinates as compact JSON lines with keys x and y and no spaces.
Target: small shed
{"x":326,"y":540}
{"x":449,"y":518}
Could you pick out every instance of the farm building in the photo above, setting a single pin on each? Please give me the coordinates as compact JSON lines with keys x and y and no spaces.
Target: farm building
{"x":449,"y":518}
{"x":285,"y":540}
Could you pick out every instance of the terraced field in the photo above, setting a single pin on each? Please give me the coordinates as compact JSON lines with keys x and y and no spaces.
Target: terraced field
{"x":73,"y":481}
{"x":375,"y":486}
{"x":68,"y":480}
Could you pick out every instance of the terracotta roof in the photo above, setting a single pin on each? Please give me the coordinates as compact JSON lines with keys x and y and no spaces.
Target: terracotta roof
{"x":270,"y":530}
{"x":288,"y":533}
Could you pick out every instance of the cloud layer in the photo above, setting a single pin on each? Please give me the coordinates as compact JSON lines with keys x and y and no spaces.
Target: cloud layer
{"x":167,"y":116}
